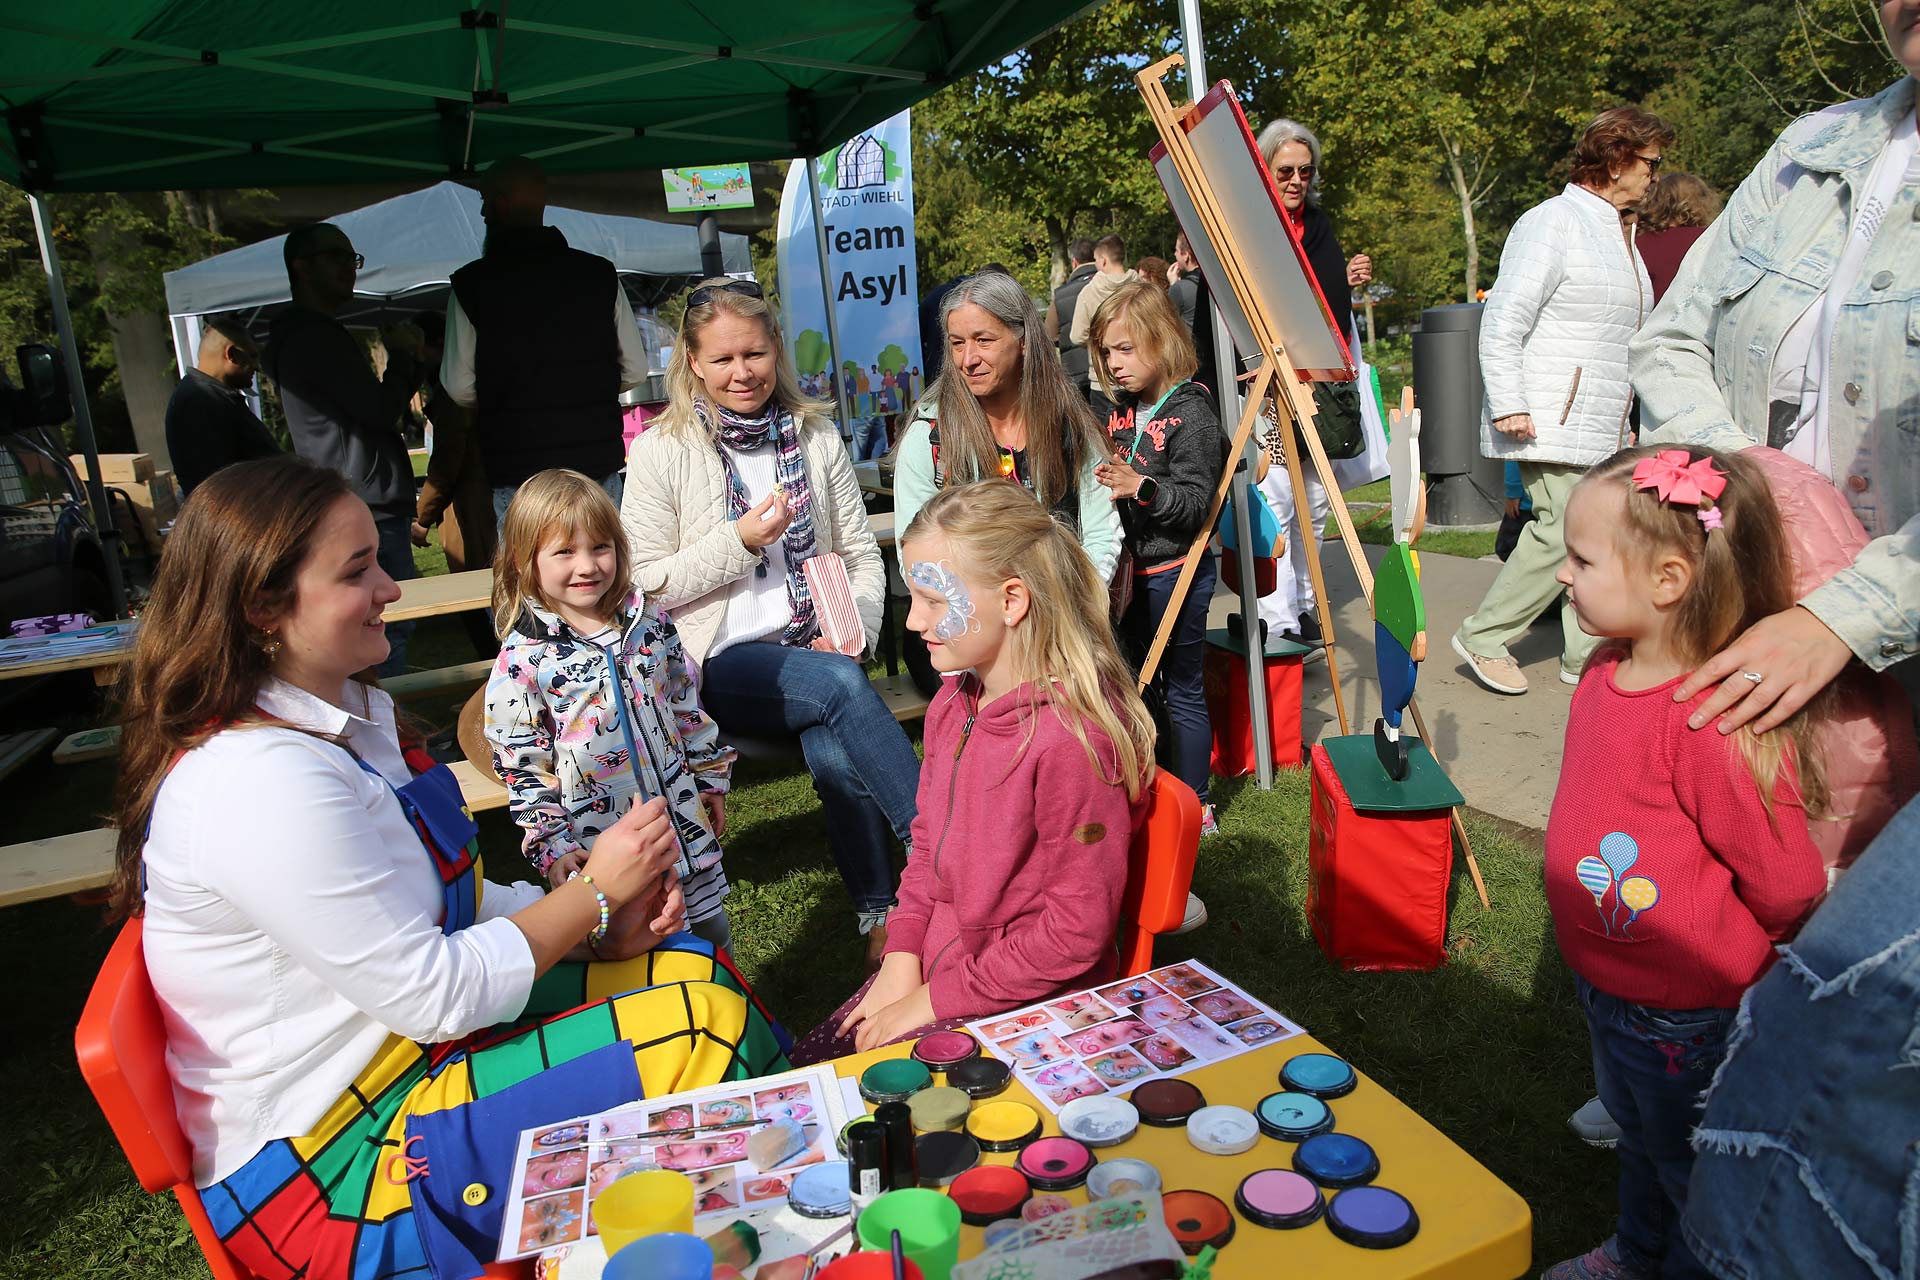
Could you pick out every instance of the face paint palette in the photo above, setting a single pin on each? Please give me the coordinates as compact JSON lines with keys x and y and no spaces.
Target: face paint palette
{"x":1373,"y":1218}
{"x":1004,"y":1126}
{"x":980,"y":1077}
{"x":1055,"y":1164}
{"x":1197,"y":1220}
{"x":939,"y":1109}
{"x":1166,"y":1104}
{"x":894,"y":1081}
{"x":1336,"y":1160}
{"x":942,"y":1157}
{"x":1103,"y":1121}
{"x":1121,"y":1178}
{"x":945,"y":1049}
{"x":990,"y":1193}
{"x":821,"y":1191}
{"x":1223,"y":1131}
{"x":1279,"y":1198}
{"x":1293,"y":1117}
{"x":1320,"y":1074}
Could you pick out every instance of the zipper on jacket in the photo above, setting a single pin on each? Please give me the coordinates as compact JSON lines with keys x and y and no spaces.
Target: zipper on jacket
{"x":1566,"y":410}
{"x":966,"y":731}
{"x":1639,"y":318}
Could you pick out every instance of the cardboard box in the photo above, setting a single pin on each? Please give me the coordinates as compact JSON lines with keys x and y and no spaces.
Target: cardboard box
{"x":117,"y":468}
{"x":155,"y":505}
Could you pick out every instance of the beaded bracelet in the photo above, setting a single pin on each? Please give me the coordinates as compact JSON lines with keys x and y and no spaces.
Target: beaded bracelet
{"x":605,"y":914}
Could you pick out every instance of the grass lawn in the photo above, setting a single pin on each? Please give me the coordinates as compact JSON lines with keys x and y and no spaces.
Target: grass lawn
{"x":1489,"y":1048}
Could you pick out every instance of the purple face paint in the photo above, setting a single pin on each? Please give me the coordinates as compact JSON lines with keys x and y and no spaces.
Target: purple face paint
{"x":1373,"y":1218}
{"x":945,"y":583}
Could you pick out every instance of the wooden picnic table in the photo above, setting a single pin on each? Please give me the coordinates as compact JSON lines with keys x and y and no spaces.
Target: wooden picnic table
{"x":872,"y":478}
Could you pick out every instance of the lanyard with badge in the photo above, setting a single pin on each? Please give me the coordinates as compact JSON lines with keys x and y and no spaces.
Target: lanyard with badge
{"x":1141,"y":424}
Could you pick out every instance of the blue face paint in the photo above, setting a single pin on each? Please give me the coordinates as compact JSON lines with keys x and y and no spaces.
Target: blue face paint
{"x":943,"y":581}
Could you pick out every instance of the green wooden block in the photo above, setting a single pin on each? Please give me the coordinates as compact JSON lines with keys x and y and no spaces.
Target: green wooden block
{"x":1397,"y":603}
{"x":1221,"y":638}
{"x":1370,"y":790}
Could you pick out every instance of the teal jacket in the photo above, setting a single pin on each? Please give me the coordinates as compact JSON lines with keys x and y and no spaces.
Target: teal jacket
{"x":1701,"y":363}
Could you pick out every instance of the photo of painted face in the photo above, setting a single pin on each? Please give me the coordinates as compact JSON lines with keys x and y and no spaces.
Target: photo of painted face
{"x":1109,"y":1035}
{"x":725,"y":1111}
{"x":1122,"y":1066}
{"x":1014,"y":1025}
{"x":557,"y":1171}
{"x":714,"y":1190}
{"x":1183,"y":980}
{"x":1161,"y":1010}
{"x":1065,"y":1081}
{"x":672,"y":1120}
{"x":1255,"y":1030}
{"x":1035,"y":1049}
{"x":758,"y":1189}
{"x":703,"y":1153}
{"x":1080,"y":1011}
{"x":552,"y":1220}
{"x":614,"y":1168}
{"x":1163,"y":1051}
{"x":1224,"y":1006}
{"x":563,"y":1135}
{"x":1202,"y":1039}
{"x":1132,"y":991}
{"x":624,"y":1126}
{"x":788,"y":1102}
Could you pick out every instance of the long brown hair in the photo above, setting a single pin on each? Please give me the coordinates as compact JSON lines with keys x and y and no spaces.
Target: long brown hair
{"x":1052,"y":409}
{"x":997,"y":532}
{"x":556,"y":503}
{"x":1742,"y":572}
{"x":198,"y":663}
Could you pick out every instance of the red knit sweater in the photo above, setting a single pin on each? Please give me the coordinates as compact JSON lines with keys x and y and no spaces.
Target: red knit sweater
{"x":1668,"y":882}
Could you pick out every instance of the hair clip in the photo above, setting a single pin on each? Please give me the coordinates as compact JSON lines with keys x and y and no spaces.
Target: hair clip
{"x":1675,"y":476}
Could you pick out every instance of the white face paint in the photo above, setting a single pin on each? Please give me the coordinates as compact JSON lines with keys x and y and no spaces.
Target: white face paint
{"x":941,"y":581}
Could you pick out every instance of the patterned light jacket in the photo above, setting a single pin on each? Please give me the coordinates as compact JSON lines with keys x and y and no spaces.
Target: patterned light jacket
{"x":574,"y":763}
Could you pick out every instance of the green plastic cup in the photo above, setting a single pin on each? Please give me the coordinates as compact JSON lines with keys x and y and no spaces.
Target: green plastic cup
{"x":929,"y":1227}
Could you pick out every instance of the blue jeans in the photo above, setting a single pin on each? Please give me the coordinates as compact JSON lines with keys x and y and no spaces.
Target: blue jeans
{"x":1652,"y":1066}
{"x":863,"y":766}
{"x":1180,"y":677}
{"x":614,"y":483}
{"x":394,"y":552}
{"x":1806,"y":1160}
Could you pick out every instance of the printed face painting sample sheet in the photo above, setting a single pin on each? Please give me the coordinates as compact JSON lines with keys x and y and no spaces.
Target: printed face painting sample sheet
{"x":722,"y":1137}
{"x":1166,"y":1022}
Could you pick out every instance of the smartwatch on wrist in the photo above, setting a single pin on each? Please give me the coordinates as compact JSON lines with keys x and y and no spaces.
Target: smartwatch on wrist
{"x":1144,"y":494}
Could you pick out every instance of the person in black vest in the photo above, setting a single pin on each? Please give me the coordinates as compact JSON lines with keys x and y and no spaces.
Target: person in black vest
{"x":540,"y":343}
{"x":208,"y":422}
{"x":1073,"y":355}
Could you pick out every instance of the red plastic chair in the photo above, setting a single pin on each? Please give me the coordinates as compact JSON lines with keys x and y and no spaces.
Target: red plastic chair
{"x":1159,"y":870}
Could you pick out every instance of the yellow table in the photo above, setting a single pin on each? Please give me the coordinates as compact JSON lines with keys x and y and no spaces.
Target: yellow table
{"x":1472,"y":1226}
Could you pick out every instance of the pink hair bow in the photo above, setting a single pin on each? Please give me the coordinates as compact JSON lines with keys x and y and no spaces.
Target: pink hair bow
{"x":1680,"y":478}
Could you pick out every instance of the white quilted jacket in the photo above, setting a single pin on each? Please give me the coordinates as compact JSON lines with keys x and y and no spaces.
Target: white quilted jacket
{"x":1571,"y":293}
{"x":686,"y":552}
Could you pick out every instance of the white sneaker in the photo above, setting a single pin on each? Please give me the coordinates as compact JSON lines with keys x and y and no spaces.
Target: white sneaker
{"x":1502,"y":675}
{"x":1569,"y":677}
{"x":1594,"y":1126}
{"x":1196,"y":915}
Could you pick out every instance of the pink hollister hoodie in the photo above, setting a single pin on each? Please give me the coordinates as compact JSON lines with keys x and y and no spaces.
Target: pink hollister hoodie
{"x":1012,"y":892}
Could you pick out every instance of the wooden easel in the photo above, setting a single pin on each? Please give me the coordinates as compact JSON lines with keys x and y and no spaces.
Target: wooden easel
{"x":1276,"y":382}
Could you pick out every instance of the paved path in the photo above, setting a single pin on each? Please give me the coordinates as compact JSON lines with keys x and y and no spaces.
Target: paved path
{"x":1502,"y":752}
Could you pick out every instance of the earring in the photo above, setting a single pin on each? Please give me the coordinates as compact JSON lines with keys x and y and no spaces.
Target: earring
{"x":270,"y":646}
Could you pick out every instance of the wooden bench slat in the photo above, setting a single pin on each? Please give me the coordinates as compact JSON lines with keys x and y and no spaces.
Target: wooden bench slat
{"x":425,"y":684}
{"x":57,"y":865}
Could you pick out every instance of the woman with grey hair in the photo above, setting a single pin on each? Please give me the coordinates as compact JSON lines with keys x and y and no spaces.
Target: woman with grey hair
{"x":1292,"y":155}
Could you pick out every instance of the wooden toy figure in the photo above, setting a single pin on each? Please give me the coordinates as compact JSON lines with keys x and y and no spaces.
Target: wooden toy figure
{"x":1399,"y":612}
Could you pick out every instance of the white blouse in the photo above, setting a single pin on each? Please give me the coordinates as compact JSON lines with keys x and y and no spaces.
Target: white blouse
{"x":293,"y":923}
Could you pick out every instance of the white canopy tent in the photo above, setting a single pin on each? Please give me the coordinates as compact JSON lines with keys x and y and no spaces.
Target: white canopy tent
{"x":413,"y":244}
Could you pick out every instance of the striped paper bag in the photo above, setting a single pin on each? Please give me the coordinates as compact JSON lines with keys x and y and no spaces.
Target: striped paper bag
{"x":833,"y":605}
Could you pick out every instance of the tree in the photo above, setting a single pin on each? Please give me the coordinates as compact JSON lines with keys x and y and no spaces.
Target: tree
{"x":810,"y":351}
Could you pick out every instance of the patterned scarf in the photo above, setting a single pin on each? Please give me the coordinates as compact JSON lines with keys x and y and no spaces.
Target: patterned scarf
{"x":790,"y":472}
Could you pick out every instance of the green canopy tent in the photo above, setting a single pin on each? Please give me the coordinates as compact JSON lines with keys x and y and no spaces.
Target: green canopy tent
{"x":133,"y":95}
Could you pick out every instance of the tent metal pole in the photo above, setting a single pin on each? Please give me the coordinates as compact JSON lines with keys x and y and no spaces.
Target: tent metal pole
{"x":839,"y":375}
{"x":82,"y":413}
{"x":1226,"y":370}
{"x":712,"y":263}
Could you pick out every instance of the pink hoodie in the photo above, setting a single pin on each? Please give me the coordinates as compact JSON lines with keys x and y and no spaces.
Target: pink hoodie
{"x":1012,"y":892}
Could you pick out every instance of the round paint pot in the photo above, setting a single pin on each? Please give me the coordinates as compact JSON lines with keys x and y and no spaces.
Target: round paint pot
{"x":1373,"y":1218}
{"x":1320,"y":1074}
{"x":989,"y":1193}
{"x":1336,"y":1160}
{"x":1197,"y":1220}
{"x":939,"y":1110}
{"x":821,"y":1191}
{"x":1103,"y":1121}
{"x":1003,"y":1126}
{"x":1044,"y":1207}
{"x":1121,"y":1178}
{"x":943,"y":1050}
{"x":1293,"y":1117}
{"x":848,"y":1128}
{"x":1279,"y":1198}
{"x":1166,"y":1104}
{"x":895,"y":1080}
{"x":942,"y":1157}
{"x":994,"y":1232}
{"x":1223,"y":1131}
{"x":1055,"y":1164}
{"x":980,"y":1077}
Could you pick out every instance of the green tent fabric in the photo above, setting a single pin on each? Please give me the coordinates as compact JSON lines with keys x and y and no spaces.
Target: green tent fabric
{"x":126,"y":95}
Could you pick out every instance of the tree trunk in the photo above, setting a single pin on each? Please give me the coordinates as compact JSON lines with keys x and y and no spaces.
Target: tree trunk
{"x":1458,"y":177}
{"x":1057,"y":265}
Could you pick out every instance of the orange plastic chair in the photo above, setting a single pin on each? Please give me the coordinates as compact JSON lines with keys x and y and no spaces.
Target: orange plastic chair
{"x":1159,"y":870}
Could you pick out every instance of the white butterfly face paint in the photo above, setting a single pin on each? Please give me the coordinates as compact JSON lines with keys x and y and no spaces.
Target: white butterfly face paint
{"x":940,"y":579}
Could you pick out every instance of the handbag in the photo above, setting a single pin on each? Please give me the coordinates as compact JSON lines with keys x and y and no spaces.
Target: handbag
{"x":1371,"y":463}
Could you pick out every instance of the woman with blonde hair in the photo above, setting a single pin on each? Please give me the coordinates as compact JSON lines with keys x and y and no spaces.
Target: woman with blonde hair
{"x":1039,"y":759}
{"x":740,"y":482}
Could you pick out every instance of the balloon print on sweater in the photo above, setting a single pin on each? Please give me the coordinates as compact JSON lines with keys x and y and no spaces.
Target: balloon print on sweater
{"x":1599,"y":876}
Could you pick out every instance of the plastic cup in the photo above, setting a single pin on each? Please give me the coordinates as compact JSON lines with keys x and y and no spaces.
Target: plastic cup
{"x":866,"y":1266}
{"x":929,"y":1227}
{"x":645,"y":1203}
{"x":668,"y":1255}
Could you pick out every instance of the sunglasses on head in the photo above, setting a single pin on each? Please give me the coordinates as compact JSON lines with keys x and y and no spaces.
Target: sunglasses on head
{"x":1285,"y":172}
{"x":706,"y":293}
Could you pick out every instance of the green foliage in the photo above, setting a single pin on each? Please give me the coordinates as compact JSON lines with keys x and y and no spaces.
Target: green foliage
{"x":893,"y":359}
{"x":810,"y":351}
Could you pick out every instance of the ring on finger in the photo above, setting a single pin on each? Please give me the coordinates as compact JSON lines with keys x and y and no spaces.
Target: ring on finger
{"x":1754,"y":676}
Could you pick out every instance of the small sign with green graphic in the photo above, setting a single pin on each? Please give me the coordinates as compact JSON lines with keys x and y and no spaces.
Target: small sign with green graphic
{"x":710,"y":186}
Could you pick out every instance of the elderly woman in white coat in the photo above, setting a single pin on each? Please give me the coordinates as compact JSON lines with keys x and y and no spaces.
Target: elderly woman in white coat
{"x":1571,"y":293}
{"x":742,"y":480}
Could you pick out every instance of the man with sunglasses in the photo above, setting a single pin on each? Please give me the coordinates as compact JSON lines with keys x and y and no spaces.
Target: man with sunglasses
{"x":541,"y":341}
{"x":208,"y":422}
{"x":340,"y":414}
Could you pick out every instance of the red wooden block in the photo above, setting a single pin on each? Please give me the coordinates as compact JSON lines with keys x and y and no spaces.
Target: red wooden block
{"x":1226,"y":686}
{"x":1377,"y":882}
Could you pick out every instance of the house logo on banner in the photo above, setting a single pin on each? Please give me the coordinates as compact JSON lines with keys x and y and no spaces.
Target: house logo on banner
{"x":866,"y":193}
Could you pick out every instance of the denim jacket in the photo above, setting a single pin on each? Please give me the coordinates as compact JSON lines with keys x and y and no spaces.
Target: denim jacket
{"x":1702,"y":364}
